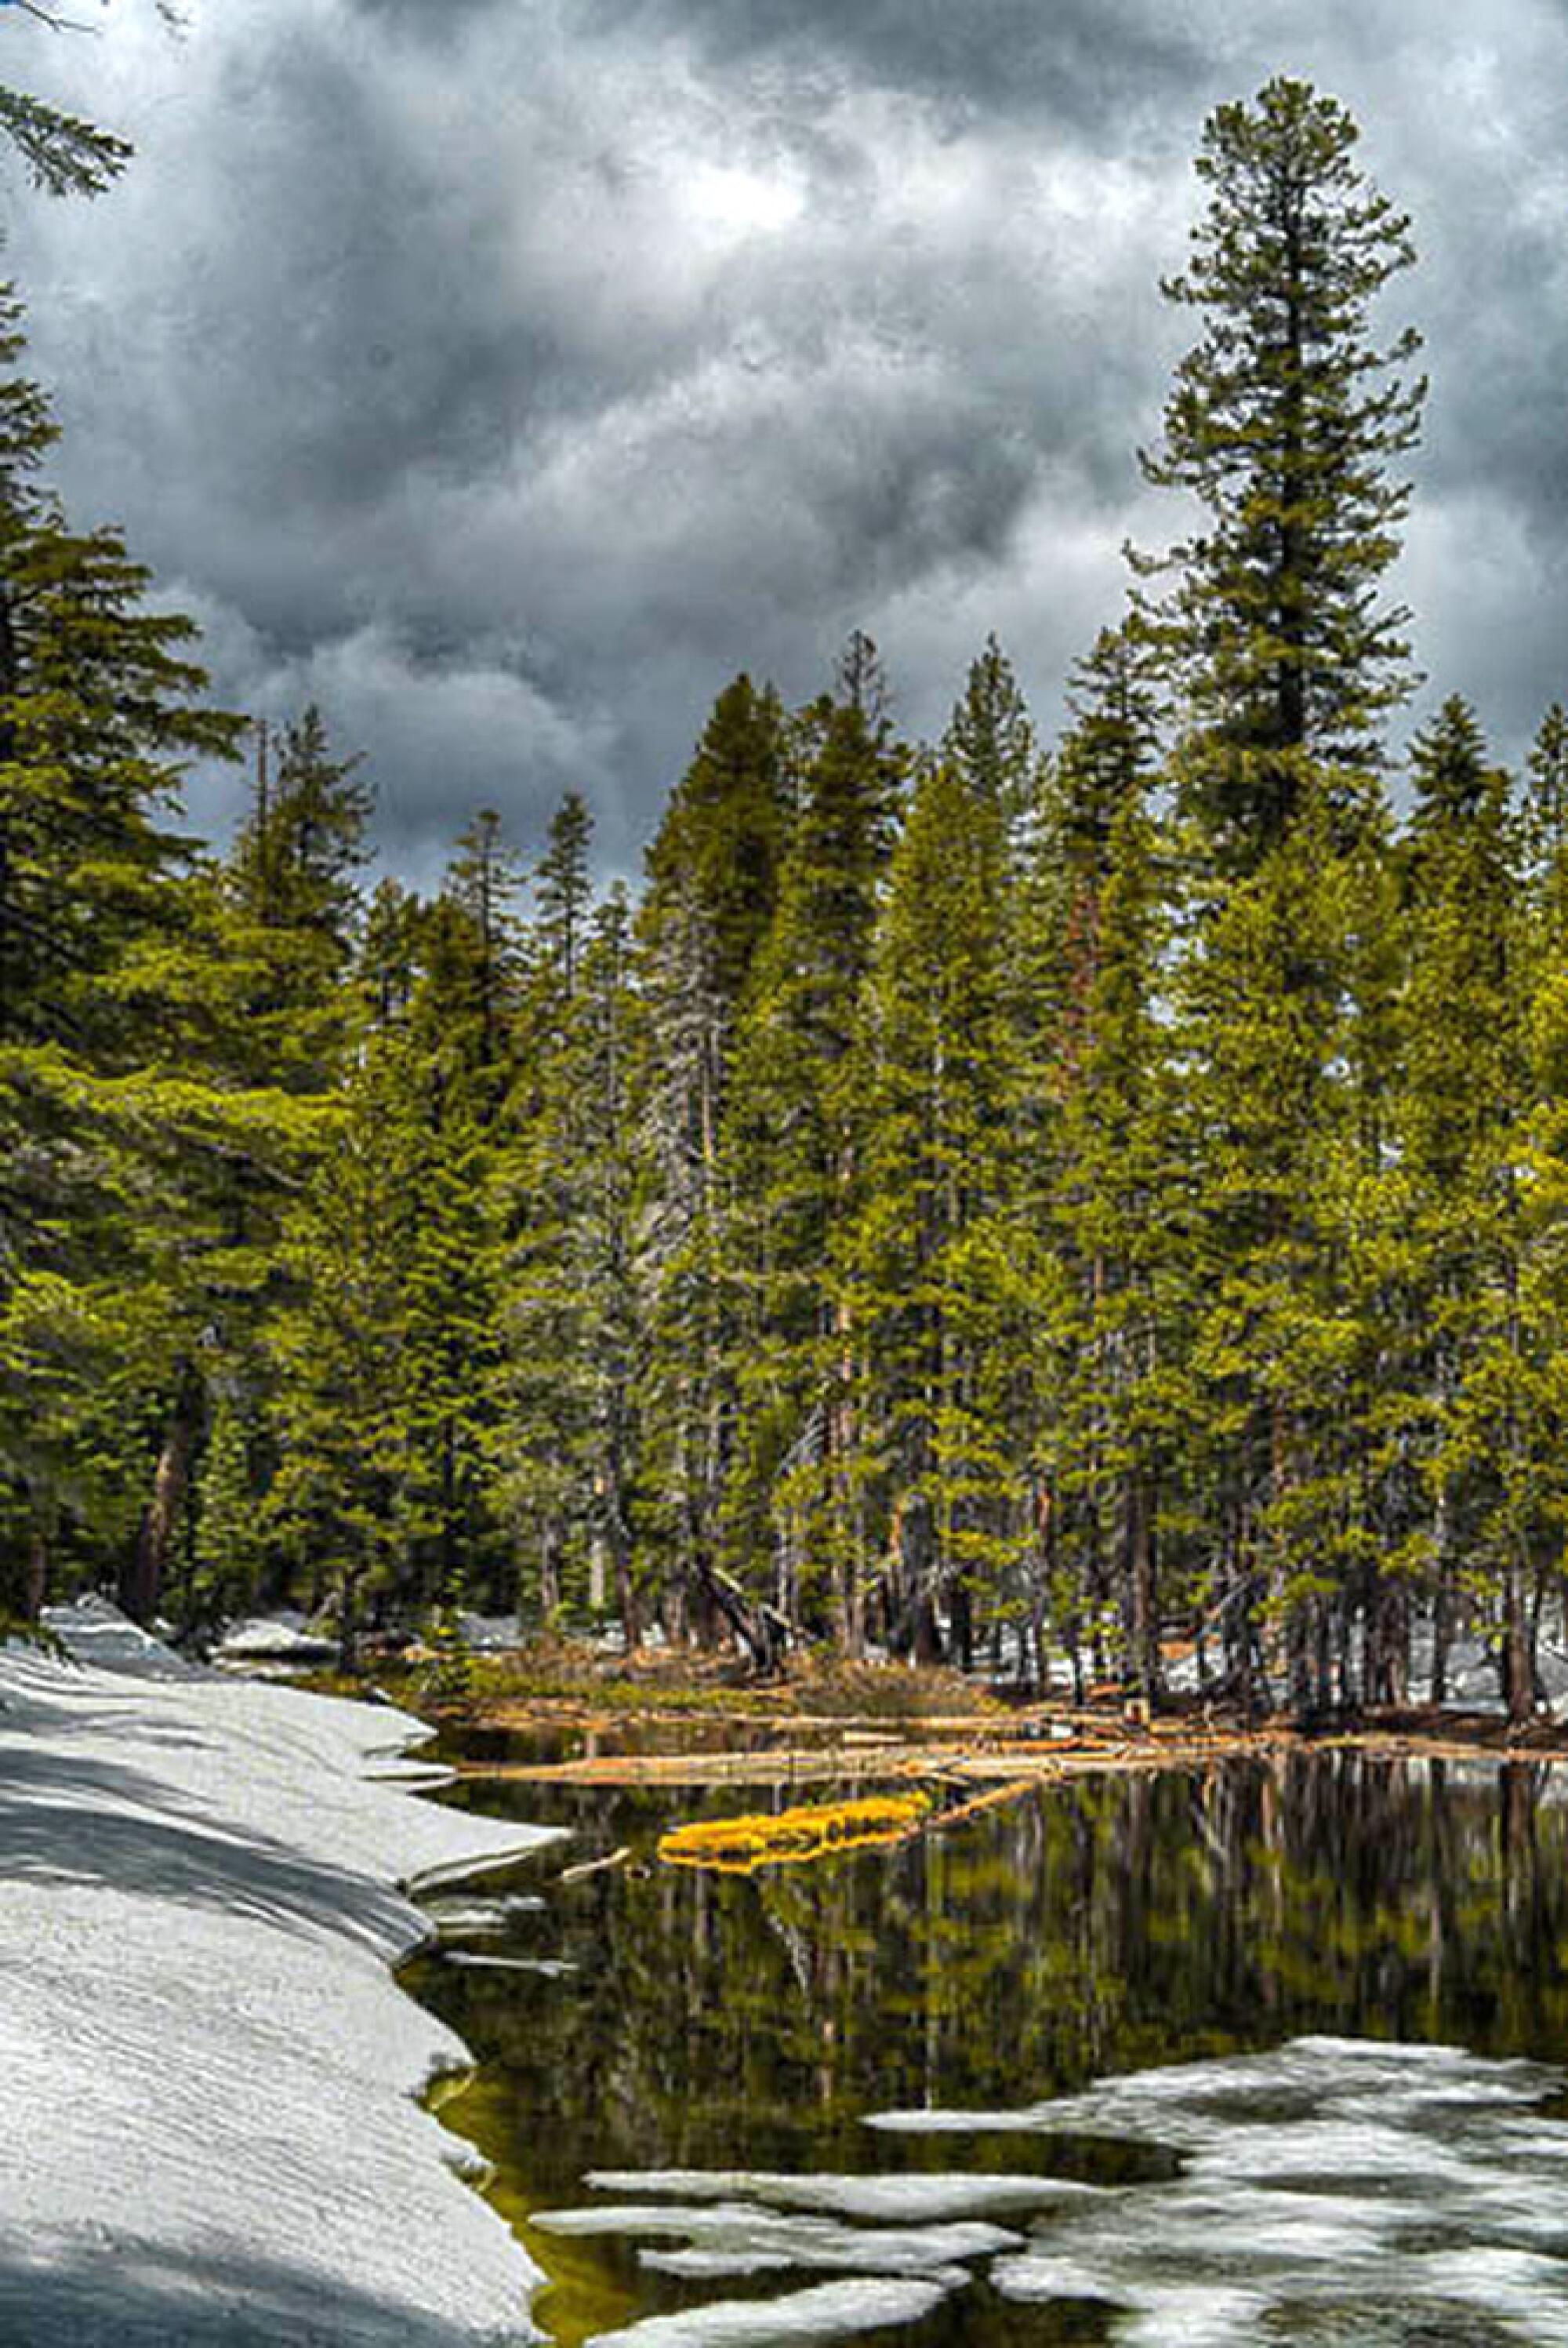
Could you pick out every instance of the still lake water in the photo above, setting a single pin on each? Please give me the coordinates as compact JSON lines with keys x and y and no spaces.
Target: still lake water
{"x":1265,"y":2054}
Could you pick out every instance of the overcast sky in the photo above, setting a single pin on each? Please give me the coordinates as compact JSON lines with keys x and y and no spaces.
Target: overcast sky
{"x":504,"y":375}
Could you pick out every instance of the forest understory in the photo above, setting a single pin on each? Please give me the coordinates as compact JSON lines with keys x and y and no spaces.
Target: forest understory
{"x":566,"y":1713}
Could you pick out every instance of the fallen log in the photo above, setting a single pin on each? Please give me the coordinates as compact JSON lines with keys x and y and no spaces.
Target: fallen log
{"x":738,"y":1846}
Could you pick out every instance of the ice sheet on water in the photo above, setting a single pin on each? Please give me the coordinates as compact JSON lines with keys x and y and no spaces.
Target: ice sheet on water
{"x":893,"y":2200}
{"x":479,"y":1919}
{"x":1331,"y":2189}
{"x":736,"y":2237}
{"x":475,"y":1960}
{"x":1028,"y":2120}
{"x":833,"y":2310}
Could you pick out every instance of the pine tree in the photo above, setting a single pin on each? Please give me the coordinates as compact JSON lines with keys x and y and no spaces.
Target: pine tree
{"x":472,"y":950}
{"x":390,"y":955}
{"x":1545,"y":823}
{"x":712,"y":888}
{"x":250,"y":1003}
{"x":563,"y":890}
{"x":349,"y":1501}
{"x":291,"y":907}
{"x":98,"y":711}
{"x":923,"y":1281}
{"x":611,"y":1044}
{"x":1461,"y":1138}
{"x":569,"y":1190}
{"x":1115,"y":1311}
{"x":463,"y":1056}
{"x":1106,"y":765}
{"x":990,"y":739}
{"x":790,"y":1171}
{"x":1282,"y":421}
{"x":1266,"y":1039}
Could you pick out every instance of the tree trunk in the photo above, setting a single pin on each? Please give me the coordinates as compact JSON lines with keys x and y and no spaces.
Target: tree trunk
{"x":961,"y":1614}
{"x":1518,"y":1661}
{"x":761,"y":1628}
{"x":927,"y":1643}
{"x":348,"y":1616}
{"x":618,"y":1541}
{"x":1139,"y":1584}
{"x":37,"y":1587}
{"x":848,"y":1595}
{"x":1389,"y":1662}
{"x":549,"y":1579}
{"x":141,"y":1578}
{"x":915,"y":1553}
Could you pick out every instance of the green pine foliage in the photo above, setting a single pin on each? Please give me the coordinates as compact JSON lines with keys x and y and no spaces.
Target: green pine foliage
{"x":1282,"y":421}
{"x":922,"y":1291}
{"x":711,"y":897}
{"x":791,"y":1171}
{"x":1096,"y":1207}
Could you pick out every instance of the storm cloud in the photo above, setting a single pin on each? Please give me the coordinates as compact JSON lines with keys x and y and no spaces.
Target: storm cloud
{"x":505,"y":373}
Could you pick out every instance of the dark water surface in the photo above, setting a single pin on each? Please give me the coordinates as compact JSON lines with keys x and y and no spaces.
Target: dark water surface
{"x":863,"y":2091}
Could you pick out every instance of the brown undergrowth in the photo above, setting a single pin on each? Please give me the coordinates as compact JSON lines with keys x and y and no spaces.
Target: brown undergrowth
{"x":828,"y":1722}
{"x":685,"y":1680}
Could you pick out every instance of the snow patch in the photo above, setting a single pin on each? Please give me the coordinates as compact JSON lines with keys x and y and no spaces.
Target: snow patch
{"x":897,"y":2199}
{"x":208,"y":2123}
{"x":732,"y":2238}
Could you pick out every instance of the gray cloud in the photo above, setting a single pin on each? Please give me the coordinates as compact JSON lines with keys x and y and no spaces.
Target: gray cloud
{"x":1081,"y":61}
{"x":507,"y":375}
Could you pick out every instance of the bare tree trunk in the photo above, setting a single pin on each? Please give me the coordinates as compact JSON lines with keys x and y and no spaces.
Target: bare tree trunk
{"x":761,"y":1628}
{"x":1443,"y":1596}
{"x":848,"y":1595}
{"x":1517,"y":1658}
{"x":142,"y":1579}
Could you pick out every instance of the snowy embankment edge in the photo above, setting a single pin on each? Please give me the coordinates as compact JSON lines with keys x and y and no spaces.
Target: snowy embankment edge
{"x":210,"y":2080}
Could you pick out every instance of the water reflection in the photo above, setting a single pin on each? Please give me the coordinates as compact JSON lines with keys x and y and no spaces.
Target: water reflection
{"x":746,"y":2024}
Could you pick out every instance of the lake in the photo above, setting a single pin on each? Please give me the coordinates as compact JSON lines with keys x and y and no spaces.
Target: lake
{"x":1266,"y":2054}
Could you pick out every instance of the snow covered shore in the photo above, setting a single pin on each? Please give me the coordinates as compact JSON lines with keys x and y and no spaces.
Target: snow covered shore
{"x":208,"y":2123}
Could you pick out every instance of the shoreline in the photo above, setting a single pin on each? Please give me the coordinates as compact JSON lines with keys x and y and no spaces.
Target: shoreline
{"x":212,"y":2124}
{"x":653,"y":1743}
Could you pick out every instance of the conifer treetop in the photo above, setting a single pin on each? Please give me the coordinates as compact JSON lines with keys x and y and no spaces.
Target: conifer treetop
{"x":1282,"y":421}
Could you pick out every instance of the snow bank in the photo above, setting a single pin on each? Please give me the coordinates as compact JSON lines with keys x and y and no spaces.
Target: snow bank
{"x":272,"y":1639}
{"x":208,"y":2124}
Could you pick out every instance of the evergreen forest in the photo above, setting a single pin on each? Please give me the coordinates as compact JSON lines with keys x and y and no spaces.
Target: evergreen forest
{"x":989,"y":1199}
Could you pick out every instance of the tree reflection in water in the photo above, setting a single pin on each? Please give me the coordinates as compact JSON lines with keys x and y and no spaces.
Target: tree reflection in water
{"x":1104,"y":1926}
